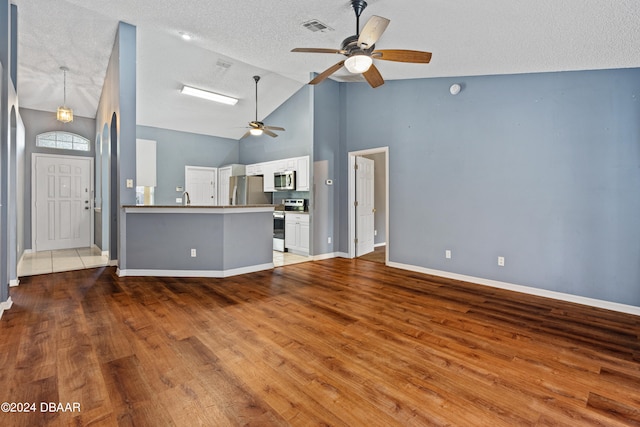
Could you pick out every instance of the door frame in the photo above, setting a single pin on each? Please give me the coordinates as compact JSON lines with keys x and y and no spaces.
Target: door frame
{"x":352,"y":198}
{"x":34,"y":171}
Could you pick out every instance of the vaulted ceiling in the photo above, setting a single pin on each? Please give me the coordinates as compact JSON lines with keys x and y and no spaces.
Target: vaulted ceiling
{"x":235,"y":40}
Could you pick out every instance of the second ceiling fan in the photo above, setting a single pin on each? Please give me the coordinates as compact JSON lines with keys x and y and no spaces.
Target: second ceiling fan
{"x":256,"y":127}
{"x":360,"y":50}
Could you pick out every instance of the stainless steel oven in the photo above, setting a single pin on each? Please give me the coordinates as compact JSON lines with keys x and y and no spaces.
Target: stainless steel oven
{"x":278,"y":231}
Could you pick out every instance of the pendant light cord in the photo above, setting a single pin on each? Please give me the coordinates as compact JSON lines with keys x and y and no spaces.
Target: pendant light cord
{"x":64,"y":100}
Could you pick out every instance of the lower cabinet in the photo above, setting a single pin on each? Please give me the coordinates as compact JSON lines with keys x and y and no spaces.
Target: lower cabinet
{"x":296,"y":233}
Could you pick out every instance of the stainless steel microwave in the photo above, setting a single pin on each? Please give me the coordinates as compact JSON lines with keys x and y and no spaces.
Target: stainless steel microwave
{"x":284,"y":181}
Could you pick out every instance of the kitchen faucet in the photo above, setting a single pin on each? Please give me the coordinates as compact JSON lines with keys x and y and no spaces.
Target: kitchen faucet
{"x":185,"y":198}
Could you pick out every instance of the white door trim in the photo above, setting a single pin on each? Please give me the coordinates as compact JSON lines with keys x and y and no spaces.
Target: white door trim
{"x":352,"y":191}
{"x":34,"y":218}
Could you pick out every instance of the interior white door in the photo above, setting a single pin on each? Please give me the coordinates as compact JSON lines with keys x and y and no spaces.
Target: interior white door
{"x":63,"y":192}
{"x":200,"y":183}
{"x":223,"y":186}
{"x":365,"y":207}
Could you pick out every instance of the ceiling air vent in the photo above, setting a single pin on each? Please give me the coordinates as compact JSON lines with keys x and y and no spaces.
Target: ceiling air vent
{"x":315,"y":25}
{"x":223,"y":64}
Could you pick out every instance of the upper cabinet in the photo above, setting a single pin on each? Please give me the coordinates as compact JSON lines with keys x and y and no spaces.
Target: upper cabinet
{"x":302,"y":173}
{"x":298,"y":164}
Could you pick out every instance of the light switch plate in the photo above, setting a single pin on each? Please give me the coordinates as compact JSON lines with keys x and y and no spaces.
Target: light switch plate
{"x":129,"y":183}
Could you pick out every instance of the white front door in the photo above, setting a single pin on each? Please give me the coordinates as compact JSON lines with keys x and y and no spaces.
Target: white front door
{"x":200,"y":183}
{"x":365,"y":208}
{"x":62,"y":190}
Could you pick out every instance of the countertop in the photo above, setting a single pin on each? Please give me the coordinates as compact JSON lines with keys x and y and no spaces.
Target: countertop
{"x":197,"y":206}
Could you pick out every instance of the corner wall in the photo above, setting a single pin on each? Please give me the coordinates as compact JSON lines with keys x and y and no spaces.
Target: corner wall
{"x":116,"y":115}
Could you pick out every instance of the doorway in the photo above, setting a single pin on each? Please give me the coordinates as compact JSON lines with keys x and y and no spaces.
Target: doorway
{"x":200,"y":183}
{"x":368,"y":204}
{"x":62,"y":189}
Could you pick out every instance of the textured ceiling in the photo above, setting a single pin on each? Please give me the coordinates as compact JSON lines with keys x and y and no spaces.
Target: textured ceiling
{"x":234,"y":40}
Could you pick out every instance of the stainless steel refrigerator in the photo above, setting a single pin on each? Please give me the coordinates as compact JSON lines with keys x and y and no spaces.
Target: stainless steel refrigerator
{"x":247,"y":190}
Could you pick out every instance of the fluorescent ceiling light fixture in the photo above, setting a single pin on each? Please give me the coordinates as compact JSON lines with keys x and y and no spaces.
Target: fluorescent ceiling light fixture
{"x":358,"y":63}
{"x":211,"y":96}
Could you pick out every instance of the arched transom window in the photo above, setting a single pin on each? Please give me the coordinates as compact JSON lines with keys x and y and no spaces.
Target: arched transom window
{"x":62,"y":141}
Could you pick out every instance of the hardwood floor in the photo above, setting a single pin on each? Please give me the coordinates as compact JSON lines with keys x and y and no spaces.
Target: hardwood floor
{"x":335,"y":342}
{"x":378,"y":255}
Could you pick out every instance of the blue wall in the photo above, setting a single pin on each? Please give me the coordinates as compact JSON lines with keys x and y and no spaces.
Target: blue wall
{"x":175,"y":150}
{"x":295,"y":115}
{"x":327,"y":156}
{"x":543,"y":169}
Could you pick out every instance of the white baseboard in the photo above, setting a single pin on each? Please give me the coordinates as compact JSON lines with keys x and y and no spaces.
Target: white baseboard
{"x":325,"y":256}
{"x":112,"y":262}
{"x":194,"y":273}
{"x":14,"y":282}
{"x":5,"y":306}
{"x":330,"y":255}
{"x":608,"y":305}
{"x":377,"y":245}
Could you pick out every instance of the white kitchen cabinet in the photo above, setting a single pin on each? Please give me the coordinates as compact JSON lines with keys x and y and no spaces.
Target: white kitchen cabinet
{"x":290,"y":164}
{"x":268,"y":168}
{"x":224,"y":173}
{"x":302,"y":173}
{"x":298,"y":164}
{"x":296,"y":233}
{"x":250,"y":170}
{"x":254,"y":169}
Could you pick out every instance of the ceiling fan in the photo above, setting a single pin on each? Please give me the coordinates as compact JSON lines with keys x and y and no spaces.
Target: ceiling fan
{"x":257,"y":128}
{"x":360,"y":53}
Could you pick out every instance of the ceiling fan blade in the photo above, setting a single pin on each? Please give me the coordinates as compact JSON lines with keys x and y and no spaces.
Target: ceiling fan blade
{"x":372,"y":31}
{"x":268,"y":132}
{"x":273,"y":128}
{"x":401,"y":55}
{"x":372,"y":75}
{"x":326,"y":73}
{"x":316,"y":50}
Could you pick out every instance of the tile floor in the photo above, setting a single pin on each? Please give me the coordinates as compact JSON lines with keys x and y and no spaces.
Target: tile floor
{"x":77,"y":259}
{"x":60,"y":260}
{"x":286,"y":258}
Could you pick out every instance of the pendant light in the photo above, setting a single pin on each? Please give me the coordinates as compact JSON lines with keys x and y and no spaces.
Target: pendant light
{"x":65,"y":114}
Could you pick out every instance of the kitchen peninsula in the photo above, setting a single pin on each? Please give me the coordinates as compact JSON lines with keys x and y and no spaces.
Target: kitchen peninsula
{"x":195,"y":241}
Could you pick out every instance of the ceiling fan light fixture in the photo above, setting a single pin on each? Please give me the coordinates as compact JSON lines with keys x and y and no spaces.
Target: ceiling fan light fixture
{"x":255,"y":131}
{"x":358,"y":63}
{"x":211,"y":96}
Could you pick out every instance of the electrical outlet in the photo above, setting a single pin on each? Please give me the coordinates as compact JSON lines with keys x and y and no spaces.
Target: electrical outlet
{"x":501,"y":261}
{"x":447,"y":254}
{"x":375,"y":232}
{"x":193,"y":253}
{"x":178,"y":199}
{"x":329,"y":240}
